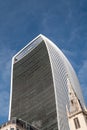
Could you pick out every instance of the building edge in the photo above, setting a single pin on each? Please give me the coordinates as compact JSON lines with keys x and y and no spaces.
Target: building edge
{"x":11,"y":83}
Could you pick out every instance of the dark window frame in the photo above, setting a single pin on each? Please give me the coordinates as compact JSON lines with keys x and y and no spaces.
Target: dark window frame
{"x":12,"y":128}
{"x":77,"y":123}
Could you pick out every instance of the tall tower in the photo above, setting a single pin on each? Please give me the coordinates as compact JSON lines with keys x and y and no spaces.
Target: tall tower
{"x":39,"y":92}
{"x":77,"y":114}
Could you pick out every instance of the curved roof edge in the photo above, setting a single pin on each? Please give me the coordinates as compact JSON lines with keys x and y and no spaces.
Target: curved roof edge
{"x":32,"y":44}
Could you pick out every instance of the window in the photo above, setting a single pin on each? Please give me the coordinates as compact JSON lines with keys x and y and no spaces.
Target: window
{"x":11,"y":128}
{"x":76,"y":122}
{"x":72,"y":102}
{"x":86,"y":119}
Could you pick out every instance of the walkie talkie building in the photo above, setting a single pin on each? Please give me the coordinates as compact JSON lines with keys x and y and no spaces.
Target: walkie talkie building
{"x":39,"y":91}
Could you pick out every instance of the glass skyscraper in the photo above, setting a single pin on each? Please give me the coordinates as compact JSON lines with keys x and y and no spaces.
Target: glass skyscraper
{"x":39,"y":92}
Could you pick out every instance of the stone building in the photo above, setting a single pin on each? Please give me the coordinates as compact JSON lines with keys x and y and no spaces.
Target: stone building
{"x":16,"y":124}
{"x":77,"y":114}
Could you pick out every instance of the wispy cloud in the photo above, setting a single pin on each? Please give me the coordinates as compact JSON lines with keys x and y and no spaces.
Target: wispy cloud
{"x":4,"y":97}
{"x":73,"y":35}
{"x":68,"y":53}
{"x":71,"y":55}
{"x":63,"y":21}
{"x":81,"y":71}
{"x":5,"y":63}
{"x":82,"y":74}
{"x":5,"y":70}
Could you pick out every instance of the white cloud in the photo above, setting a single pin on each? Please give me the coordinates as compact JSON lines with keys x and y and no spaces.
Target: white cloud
{"x":82,"y":74}
{"x":5,"y":64}
{"x":5,"y":69}
{"x":70,"y":55}
{"x":81,"y":71}
{"x":4,"y":103}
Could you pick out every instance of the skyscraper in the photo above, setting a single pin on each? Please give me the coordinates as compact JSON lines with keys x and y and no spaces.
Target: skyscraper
{"x":39,"y":92}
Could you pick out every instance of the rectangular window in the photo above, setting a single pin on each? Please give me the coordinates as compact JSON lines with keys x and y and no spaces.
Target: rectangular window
{"x":86,"y":119}
{"x":76,"y":122}
{"x":11,"y":128}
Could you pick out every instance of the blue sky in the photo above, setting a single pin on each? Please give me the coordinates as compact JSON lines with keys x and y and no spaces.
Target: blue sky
{"x":62,"y":21}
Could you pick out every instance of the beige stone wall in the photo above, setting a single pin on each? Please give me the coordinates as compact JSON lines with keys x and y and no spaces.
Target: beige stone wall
{"x":82,"y":122}
{"x":8,"y":127}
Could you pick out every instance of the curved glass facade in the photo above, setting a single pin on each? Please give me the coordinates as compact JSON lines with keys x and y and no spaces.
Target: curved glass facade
{"x":39,"y":92}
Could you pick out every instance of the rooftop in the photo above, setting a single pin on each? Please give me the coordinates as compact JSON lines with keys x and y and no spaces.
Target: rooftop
{"x":20,"y":123}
